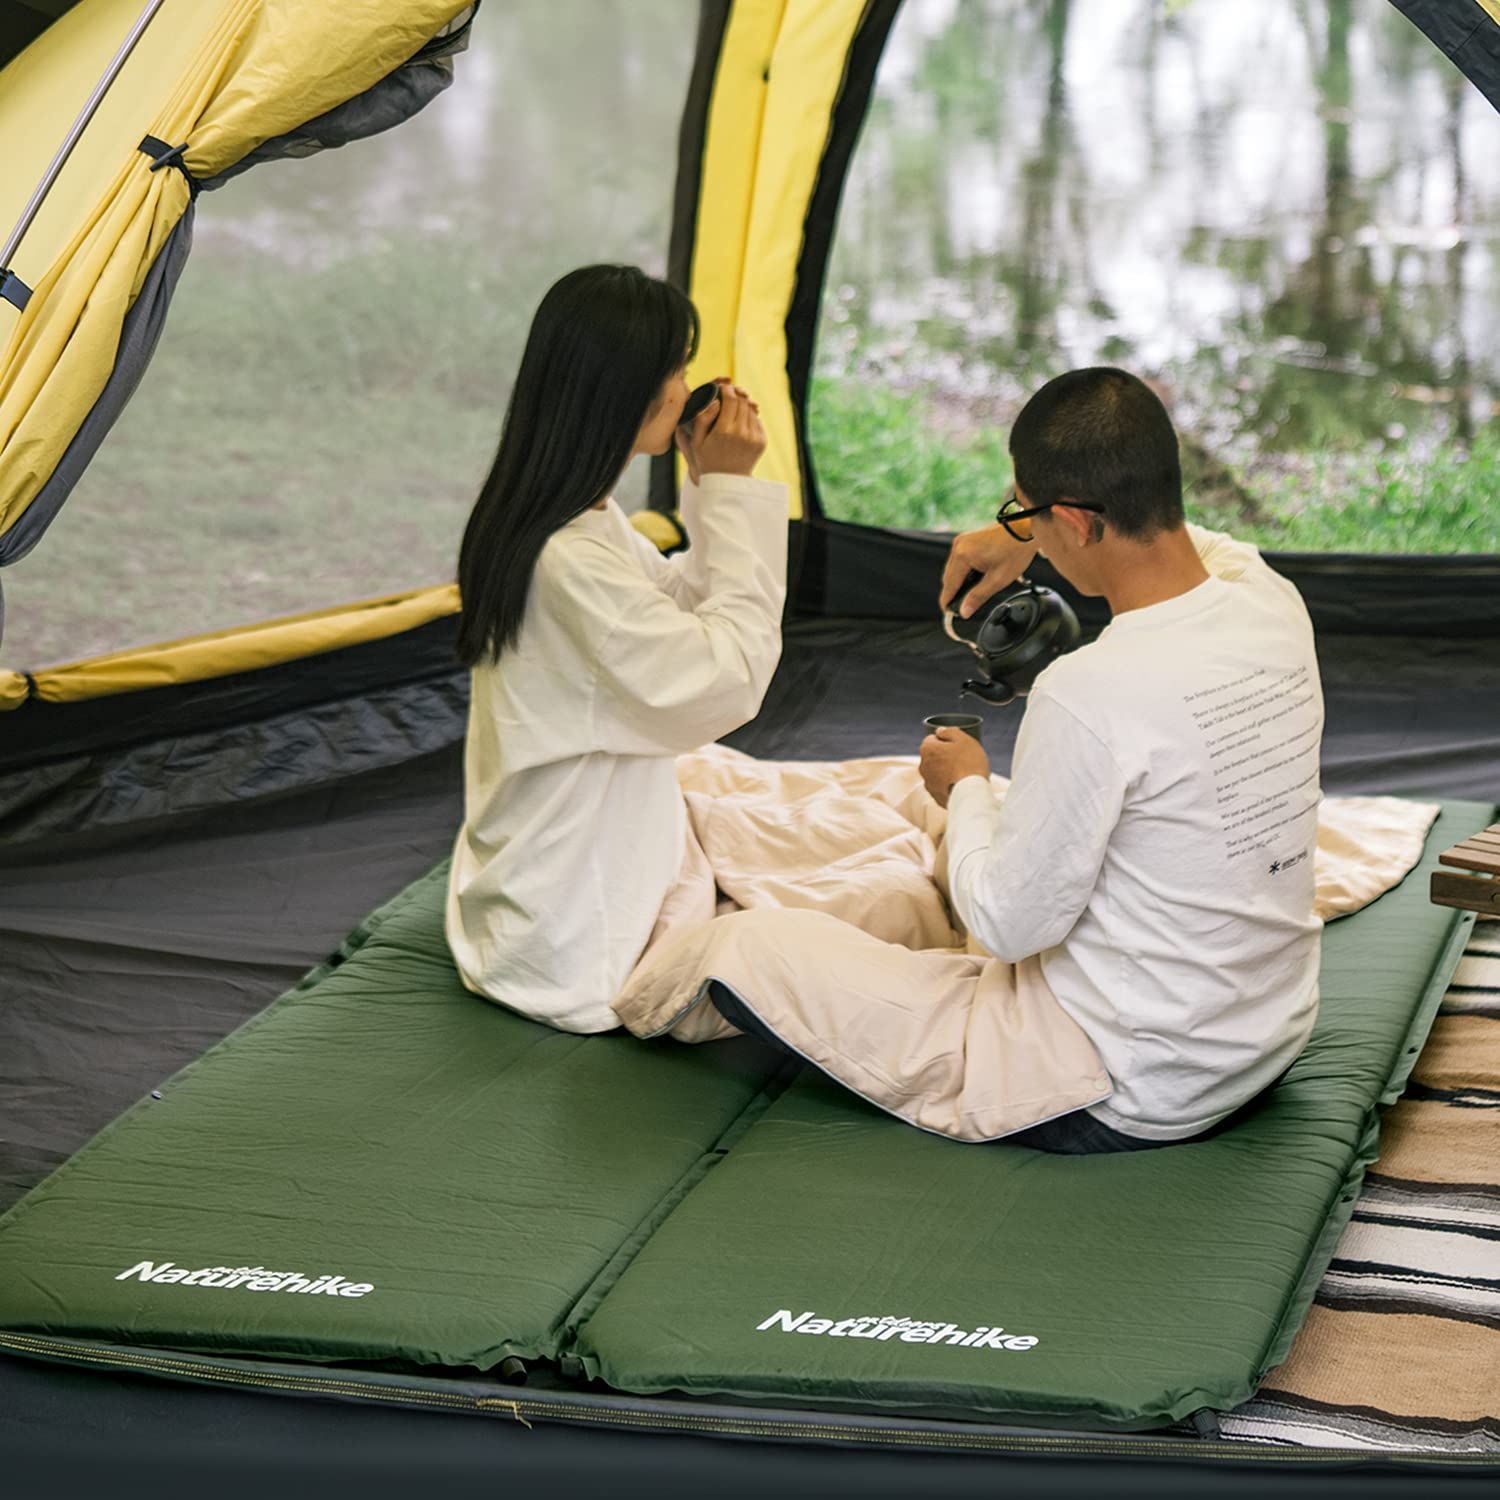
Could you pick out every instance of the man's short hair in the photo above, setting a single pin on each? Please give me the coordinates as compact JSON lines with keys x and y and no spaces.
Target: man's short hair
{"x":1103,"y":436}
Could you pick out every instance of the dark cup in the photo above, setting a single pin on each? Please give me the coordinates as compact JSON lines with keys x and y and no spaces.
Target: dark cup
{"x":971,"y":724}
{"x":698,"y":402}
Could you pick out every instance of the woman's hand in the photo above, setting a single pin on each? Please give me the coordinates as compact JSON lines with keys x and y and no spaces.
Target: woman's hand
{"x":728,"y":437}
{"x":990,"y":551}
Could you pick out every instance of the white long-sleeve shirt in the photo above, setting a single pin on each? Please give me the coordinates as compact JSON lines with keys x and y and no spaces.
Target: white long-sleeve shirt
{"x":1156,"y":844}
{"x":574,"y":824}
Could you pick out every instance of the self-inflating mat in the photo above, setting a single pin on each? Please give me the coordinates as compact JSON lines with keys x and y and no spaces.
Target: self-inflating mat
{"x":384,"y":1187}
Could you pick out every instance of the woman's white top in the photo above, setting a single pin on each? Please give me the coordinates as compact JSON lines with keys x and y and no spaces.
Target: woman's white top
{"x":574,"y":824}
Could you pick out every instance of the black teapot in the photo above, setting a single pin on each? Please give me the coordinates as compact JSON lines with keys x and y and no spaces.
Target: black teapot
{"x":1020,"y":635}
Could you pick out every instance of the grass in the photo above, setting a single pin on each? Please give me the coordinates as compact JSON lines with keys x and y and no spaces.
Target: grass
{"x":883,"y":459}
{"x":1441,"y":503}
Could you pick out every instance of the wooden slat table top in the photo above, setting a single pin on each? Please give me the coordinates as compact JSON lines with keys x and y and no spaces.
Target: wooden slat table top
{"x":1480,"y":890}
{"x":1472,"y":855}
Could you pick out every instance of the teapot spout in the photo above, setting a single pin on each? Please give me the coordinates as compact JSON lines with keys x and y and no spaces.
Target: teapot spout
{"x":990,"y":690}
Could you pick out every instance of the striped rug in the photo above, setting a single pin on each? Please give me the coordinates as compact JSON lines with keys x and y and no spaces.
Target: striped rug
{"x":1401,"y":1349}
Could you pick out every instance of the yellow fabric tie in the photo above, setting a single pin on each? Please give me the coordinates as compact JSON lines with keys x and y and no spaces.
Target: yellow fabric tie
{"x":242,"y":649}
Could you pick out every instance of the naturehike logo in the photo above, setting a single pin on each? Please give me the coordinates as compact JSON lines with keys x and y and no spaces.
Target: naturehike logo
{"x":246,"y":1278}
{"x":908,"y":1330}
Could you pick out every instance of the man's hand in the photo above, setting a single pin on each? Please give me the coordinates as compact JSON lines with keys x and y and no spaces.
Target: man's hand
{"x":947,"y":757}
{"x":991,"y":551}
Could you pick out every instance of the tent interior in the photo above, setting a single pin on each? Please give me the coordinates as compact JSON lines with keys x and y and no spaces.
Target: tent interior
{"x":187,"y":829}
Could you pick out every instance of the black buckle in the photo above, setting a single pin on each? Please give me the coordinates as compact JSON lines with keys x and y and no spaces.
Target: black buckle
{"x":14,"y":290}
{"x":163,"y":155}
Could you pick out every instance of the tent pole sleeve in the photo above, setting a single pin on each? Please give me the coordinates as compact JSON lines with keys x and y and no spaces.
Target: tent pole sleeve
{"x":87,"y":113}
{"x":779,"y":75}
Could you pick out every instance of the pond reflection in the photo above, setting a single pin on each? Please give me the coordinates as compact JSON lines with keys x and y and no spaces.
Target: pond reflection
{"x":1285,"y":212}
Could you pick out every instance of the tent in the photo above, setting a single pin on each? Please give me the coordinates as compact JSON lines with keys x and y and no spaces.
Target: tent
{"x":151,"y":799}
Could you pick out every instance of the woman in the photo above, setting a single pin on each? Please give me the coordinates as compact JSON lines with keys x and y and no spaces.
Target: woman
{"x":595,"y":662}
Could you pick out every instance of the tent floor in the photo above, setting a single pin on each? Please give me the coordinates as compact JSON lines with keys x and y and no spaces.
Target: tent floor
{"x":64,"y":1429}
{"x":192,"y":924}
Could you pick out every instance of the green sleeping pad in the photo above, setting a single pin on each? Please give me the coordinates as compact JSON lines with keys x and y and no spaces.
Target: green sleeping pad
{"x":475,"y":1171}
{"x":841,"y":1258}
{"x":677,"y":1219}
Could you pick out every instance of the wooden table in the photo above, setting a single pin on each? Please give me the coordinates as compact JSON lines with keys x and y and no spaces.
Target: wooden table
{"x":1478,"y":889}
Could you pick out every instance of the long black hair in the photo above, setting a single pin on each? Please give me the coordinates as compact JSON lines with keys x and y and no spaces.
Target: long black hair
{"x":603,"y":342}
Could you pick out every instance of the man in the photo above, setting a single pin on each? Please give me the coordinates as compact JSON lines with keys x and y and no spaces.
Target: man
{"x":1156,"y":844}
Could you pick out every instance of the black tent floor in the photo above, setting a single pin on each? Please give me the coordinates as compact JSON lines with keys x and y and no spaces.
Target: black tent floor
{"x":191,"y":923}
{"x":66,"y":1433}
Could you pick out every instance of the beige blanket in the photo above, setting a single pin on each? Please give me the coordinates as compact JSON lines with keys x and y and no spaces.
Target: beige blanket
{"x":815,"y":892}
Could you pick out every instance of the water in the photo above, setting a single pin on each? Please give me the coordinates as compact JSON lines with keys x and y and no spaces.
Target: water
{"x":1284,"y":212}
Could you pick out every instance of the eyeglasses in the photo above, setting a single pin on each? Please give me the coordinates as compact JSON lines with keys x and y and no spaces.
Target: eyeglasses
{"x":1016,"y":518}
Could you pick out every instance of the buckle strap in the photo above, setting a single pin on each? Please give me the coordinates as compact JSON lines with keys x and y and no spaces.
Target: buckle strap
{"x":14,"y":290}
{"x":163,"y":155}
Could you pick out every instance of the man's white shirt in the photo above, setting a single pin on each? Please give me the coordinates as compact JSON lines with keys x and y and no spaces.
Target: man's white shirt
{"x":1156,"y":844}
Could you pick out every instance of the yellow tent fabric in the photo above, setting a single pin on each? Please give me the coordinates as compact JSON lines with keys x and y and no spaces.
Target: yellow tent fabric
{"x":244,"y":648}
{"x":779,"y":76}
{"x":238,"y":649}
{"x":735,"y":114}
{"x":663,"y":531}
{"x":224,"y":76}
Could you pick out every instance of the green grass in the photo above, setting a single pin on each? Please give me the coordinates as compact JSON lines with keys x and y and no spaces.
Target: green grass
{"x":882,"y":460}
{"x":1442,"y":503}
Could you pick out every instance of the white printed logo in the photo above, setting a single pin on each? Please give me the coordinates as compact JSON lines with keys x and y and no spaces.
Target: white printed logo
{"x":908,"y":1330}
{"x":246,"y":1278}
